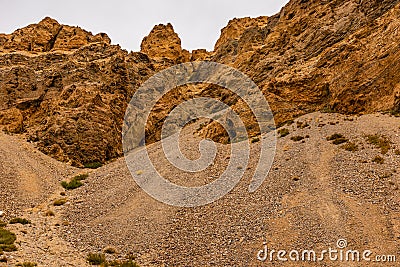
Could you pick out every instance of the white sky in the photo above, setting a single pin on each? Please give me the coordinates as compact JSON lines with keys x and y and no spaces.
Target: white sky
{"x":198,"y":23}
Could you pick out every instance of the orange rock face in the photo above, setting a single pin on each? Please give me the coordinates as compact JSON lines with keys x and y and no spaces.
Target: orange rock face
{"x":48,"y":35}
{"x":67,"y":89}
{"x":164,"y":44}
{"x":336,"y":56}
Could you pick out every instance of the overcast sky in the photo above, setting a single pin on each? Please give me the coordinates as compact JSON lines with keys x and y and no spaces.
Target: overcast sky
{"x":198,"y":23}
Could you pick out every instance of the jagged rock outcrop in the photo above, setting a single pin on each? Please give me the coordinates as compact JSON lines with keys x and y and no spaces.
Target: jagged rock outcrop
{"x":335,"y":56}
{"x":200,"y":54}
{"x":318,"y":54}
{"x":164,"y":45}
{"x":49,"y":35}
{"x":228,"y":42}
{"x":66,"y":89}
{"x":70,"y":100}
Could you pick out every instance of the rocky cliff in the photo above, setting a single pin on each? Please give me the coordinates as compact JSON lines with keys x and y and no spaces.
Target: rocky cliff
{"x":333,"y":56}
{"x":67,"y":89}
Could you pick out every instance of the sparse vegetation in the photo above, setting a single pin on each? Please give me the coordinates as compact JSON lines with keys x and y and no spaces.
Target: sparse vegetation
{"x":283,"y":132}
{"x":27,"y":264}
{"x":100,"y":259}
{"x":96,"y":258}
{"x":350,"y":146}
{"x":75,"y":182}
{"x":126,"y":263}
{"x":19,"y":220}
{"x":327,"y":109}
{"x":297,"y":138}
{"x":93,"y":165}
{"x":59,"y":202}
{"x":381,"y":142}
{"x":49,"y":213}
{"x":110,"y":250}
{"x":378,"y":159}
{"x":397,"y":152}
{"x":7,"y":248}
{"x":2,"y":224}
{"x":7,"y":240}
{"x":301,"y":124}
{"x":334,"y":137}
{"x":337,"y":139}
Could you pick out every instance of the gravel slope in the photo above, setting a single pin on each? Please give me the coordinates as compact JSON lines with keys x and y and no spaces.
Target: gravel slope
{"x":315,"y":194}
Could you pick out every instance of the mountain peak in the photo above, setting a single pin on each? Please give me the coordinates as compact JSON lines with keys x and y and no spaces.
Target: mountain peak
{"x":48,"y":20}
{"x":49,"y":35}
{"x":164,"y":42}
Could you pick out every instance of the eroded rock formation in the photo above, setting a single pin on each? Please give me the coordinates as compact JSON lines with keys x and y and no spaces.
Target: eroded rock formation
{"x":67,"y":89}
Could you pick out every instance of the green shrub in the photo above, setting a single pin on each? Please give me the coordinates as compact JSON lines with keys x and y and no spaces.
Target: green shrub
{"x":59,"y":202}
{"x":96,"y":258}
{"x":283,"y":132}
{"x":297,"y":138}
{"x":93,"y":165}
{"x":128,"y":263}
{"x":81,"y":177}
{"x":380,"y":142}
{"x":337,"y":139}
{"x":7,"y":240}
{"x":100,"y":259}
{"x":6,"y":237}
{"x":350,"y":147}
{"x":27,"y":264}
{"x":334,"y":137}
{"x":2,"y":224}
{"x":19,"y":220}
{"x":8,"y":248}
{"x":75,"y":182}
